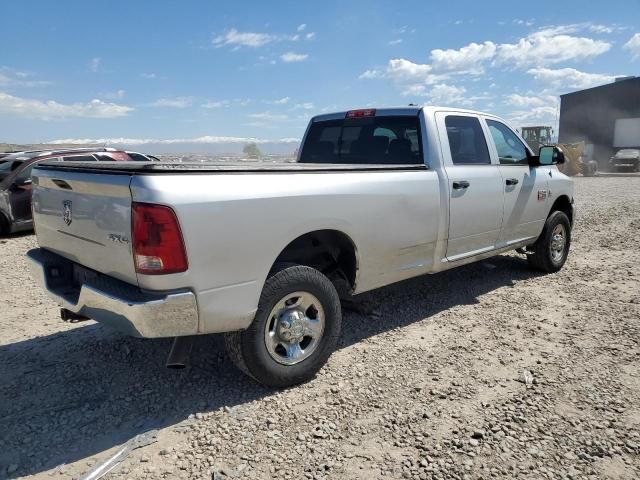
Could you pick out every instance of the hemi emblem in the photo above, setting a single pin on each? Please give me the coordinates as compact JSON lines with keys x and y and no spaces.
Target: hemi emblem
{"x":542,"y":195}
{"x":66,"y":212}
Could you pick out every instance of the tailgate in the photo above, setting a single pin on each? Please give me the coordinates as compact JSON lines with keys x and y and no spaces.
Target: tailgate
{"x":85,"y":217}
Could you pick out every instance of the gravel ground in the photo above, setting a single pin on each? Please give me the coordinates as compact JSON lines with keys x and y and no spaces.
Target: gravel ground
{"x":427,"y":385}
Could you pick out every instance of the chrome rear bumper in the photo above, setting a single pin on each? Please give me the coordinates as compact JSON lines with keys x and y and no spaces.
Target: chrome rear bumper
{"x":115,"y":303}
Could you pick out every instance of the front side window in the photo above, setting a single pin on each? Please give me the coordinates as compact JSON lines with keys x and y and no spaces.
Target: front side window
{"x":511,"y":151}
{"x":387,"y":140}
{"x":24,"y":174}
{"x":466,"y":141}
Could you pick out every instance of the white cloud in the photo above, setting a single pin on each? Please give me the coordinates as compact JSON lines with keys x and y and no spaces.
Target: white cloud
{"x":117,"y":95}
{"x":373,"y":73}
{"x":527,"y":23}
{"x":216,"y":104}
{"x":94,"y":64}
{"x":534,"y":116}
{"x":207,"y":139}
{"x":290,"y":57}
{"x":595,"y":28}
{"x":549,"y":47}
{"x":280,"y":101}
{"x":441,"y":94}
{"x":397,"y":41}
{"x":533,"y":101}
{"x":149,"y":76}
{"x":244,"y":39}
{"x":48,"y":110}
{"x":469,"y":59}
{"x":302,"y":27}
{"x":310,"y":35}
{"x":633,"y":45}
{"x":564,"y":78}
{"x":10,"y":77}
{"x":540,"y":49}
{"x":303,"y":106}
{"x":174,"y":102}
{"x":268,"y":116}
{"x":405,"y":70}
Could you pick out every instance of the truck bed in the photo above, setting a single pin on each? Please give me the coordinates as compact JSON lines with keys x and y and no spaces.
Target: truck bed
{"x":219,"y":167}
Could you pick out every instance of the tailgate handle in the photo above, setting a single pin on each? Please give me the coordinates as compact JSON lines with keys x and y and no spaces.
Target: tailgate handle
{"x":62,"y":184}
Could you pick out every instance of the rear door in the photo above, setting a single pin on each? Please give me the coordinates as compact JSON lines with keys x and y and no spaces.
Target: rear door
{"x":525,"y":188}
{"x":475,"y":186}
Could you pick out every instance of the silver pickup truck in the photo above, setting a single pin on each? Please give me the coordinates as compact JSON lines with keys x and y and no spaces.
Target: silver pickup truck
{"x":266,"y":252}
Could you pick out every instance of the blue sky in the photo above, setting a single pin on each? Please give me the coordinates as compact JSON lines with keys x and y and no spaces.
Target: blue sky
{"x":182,"y":70}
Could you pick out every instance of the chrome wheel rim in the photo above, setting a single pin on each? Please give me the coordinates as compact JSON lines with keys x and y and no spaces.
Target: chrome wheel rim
{"x":558,"y":242}
{"x":294,"y":328}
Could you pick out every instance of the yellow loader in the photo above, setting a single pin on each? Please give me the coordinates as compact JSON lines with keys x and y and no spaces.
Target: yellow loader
{"x":576,"y":159}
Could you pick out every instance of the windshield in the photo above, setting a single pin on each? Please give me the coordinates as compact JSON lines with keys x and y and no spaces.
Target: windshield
{"x":627,"y":152}
{"x":22,"y":156}
{"x":390,"y":140}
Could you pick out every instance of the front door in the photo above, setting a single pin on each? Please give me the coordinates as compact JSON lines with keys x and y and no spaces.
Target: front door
{"x":475,"y":186}
{"x":20,"y":194}
{"x":525,"y":188}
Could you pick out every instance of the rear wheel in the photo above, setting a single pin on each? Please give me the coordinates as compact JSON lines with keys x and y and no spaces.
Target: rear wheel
{"x":295,"y":329}
{"x":552,"y":247}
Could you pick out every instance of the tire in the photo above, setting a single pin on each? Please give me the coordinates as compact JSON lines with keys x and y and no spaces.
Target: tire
{"x":546,"y":255}
{"x":282,"y":316}
{"x":4,"y":226}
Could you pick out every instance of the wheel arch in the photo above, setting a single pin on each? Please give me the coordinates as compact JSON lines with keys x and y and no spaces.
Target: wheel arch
{"x":332,"y":252}
{"x":563,"y":204}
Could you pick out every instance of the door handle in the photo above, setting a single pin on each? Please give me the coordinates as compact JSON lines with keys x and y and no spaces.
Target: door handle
{"x":512,"y":181}
{"x":460,"y":184}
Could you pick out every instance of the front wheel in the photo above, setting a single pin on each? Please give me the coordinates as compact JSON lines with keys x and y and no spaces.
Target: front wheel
{"x":552,"y":247}
{"x":4,"y":226}
{"x":295,"y":329}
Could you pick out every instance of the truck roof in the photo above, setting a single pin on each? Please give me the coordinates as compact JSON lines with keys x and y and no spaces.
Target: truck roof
{"x":397,"y":111}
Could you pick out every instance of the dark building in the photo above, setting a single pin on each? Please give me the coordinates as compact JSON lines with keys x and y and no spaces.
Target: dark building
{"x":590,"y":115}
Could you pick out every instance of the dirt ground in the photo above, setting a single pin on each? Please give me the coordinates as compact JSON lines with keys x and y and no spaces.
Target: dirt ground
{"x":429,"y":385}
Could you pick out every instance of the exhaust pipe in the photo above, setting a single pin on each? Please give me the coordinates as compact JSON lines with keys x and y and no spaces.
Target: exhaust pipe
{"x":179,"y":356}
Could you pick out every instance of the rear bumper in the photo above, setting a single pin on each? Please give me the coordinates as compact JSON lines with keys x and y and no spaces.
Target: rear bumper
{"x":117,"y":304}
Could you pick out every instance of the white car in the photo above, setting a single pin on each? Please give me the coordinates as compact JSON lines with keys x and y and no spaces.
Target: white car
{"x":264,"y":252}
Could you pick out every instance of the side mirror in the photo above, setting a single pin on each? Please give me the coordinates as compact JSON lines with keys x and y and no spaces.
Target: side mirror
{"x":549,"y":155}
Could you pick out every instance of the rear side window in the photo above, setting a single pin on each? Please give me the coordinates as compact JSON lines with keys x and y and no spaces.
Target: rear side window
{"x":392,"y":140}
{"x":136,"y":157}
{"x":466,"y":141}
{"x":511,"y":151}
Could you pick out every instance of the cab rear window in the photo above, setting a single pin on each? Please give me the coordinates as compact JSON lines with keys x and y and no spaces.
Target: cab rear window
{"x":390,"y":140}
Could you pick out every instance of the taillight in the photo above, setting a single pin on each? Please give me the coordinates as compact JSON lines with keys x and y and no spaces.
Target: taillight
{"x":158,"y":247}
{"x":368,"y":112}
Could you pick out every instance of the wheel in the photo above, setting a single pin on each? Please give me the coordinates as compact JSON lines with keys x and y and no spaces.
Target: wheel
{"x":295,"y":329}
{"x":552,"y":247}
